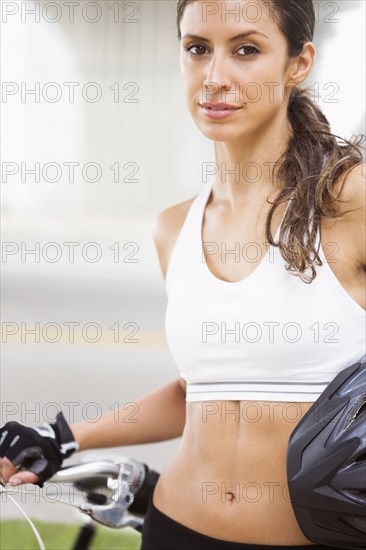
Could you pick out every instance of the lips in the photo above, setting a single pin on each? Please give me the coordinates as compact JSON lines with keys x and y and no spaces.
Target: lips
{"x":219,"y":106}
{"x":215,"y":112}
{"x":220,"y":109}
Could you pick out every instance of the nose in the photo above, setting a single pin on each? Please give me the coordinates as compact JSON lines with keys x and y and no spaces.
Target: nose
{"x":217,"y":75}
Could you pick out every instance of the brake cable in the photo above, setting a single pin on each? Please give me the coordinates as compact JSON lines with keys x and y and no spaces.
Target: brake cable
{"x":4,"y":489}
{"x":7,"y":490}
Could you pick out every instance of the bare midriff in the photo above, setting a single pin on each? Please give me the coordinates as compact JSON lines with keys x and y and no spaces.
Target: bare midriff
{"x":227,"y":479}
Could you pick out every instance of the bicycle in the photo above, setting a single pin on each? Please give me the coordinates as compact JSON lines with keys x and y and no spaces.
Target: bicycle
{"x":114,"y":494}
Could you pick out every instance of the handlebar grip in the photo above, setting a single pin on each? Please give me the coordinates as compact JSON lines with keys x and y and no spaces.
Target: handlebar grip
{"x":143,"y":495}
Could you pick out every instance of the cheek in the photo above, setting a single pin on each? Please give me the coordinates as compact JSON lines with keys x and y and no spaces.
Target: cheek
{"x":266,"y":95}
{"x":263,"y":90}
{"x":192,"y":81}
{"x":256,"y":83}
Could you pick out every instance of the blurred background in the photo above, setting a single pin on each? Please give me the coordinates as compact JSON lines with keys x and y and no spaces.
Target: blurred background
{"x":96,"y":142}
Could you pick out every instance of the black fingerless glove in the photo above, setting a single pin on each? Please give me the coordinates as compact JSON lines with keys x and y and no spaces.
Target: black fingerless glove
{"x":40,"y":450}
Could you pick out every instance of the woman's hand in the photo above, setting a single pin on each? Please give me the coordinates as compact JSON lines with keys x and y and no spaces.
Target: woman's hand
{"x":38,"y":451}
{"x":9,"y":474}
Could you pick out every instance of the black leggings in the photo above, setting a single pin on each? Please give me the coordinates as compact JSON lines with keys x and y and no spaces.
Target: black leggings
{"x":160,"y":532}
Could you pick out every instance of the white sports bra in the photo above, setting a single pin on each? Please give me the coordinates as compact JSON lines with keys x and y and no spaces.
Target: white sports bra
{"x":268,"y":337}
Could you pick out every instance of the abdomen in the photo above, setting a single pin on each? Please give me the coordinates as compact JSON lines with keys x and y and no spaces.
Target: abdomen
{"x":228,"y":478}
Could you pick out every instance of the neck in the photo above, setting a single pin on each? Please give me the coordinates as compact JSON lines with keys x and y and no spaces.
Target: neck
{"x":245,"y":166}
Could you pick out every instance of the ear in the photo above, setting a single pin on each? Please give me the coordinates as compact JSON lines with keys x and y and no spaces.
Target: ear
{"x":300,"y":66}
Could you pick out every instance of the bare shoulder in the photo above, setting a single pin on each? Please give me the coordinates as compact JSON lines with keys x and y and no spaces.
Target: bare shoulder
{"x":166,"y":229}
{"x":357,"y":197}
{"x":351,"y":188}
{"x":183,"y":384}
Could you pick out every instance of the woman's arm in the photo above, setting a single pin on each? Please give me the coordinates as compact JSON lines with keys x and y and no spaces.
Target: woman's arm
{"x":158,"y":416}
{"x":161,"y":414}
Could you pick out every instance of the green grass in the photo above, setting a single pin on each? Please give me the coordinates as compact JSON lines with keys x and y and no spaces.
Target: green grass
{"x":18,"y":535}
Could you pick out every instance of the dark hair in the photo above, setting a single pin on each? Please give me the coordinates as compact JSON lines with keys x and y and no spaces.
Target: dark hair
{"x":314,"y":160}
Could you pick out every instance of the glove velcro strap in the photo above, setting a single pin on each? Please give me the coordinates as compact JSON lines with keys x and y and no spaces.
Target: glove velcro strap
{"x":64,"y":436}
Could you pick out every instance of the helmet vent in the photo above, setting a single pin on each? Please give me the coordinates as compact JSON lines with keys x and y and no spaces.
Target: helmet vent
{"x":356,"y":523}
{"x":361,"y":458}
{"x":358,"y":410}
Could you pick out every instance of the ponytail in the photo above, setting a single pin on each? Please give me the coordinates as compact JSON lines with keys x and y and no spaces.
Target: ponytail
{"x":310,"y":168}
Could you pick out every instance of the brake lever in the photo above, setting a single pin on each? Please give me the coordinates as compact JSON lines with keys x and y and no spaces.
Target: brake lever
{"x":115,"y":513}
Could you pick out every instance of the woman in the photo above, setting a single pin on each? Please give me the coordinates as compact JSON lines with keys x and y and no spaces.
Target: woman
{"x":256,"y":336}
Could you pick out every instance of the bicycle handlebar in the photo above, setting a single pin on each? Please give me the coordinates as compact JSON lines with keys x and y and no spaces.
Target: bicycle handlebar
{"x":124,"y":477}
{"x":87,"y":470}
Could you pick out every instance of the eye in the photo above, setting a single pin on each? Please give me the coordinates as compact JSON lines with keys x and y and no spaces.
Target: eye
{"x":247,"y":47}
{"x":254,"y":49}
{"x":188,"y":49}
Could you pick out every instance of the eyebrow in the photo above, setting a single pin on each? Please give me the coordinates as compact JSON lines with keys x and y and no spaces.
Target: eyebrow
{"x":236,"y":37}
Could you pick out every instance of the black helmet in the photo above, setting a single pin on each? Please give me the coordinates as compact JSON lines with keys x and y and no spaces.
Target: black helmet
{"x":326,"y":463}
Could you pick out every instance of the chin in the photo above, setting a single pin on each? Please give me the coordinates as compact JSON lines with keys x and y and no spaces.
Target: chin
{"x":218,"y":132}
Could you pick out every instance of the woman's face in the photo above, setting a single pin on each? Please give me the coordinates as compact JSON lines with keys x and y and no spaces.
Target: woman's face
{"x":248,"y":72}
